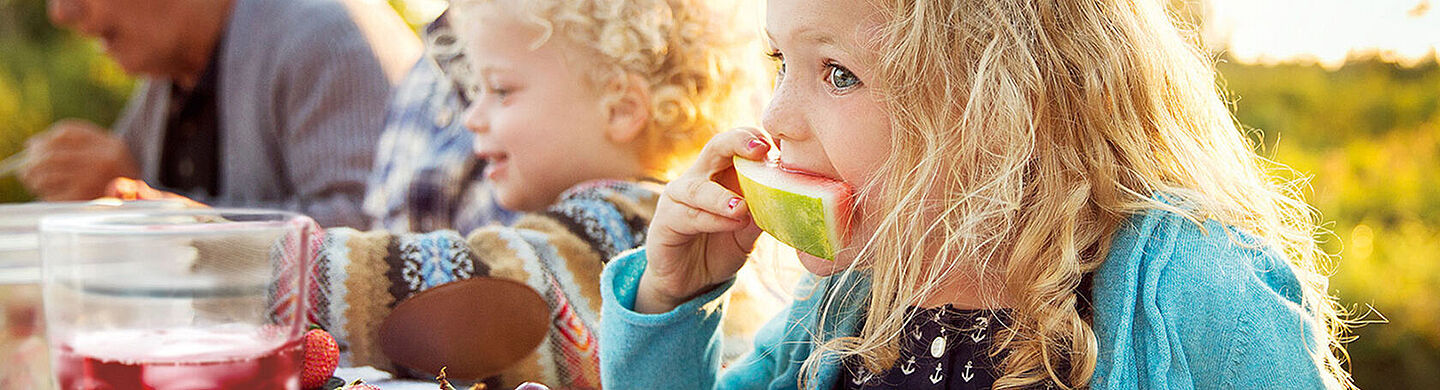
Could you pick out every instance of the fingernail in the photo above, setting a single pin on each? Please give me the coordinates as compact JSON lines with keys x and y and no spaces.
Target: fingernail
{"x":734,"y":202}
{"x":755,"y":143}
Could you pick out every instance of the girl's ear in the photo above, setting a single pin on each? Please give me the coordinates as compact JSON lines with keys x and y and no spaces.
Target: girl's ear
{"x":629,"y":108}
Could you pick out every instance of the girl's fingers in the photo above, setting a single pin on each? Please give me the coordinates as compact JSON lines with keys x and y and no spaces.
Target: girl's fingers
{"x":716,"y":156}
{"x":708,"y":196}
{"x":696,"y":222}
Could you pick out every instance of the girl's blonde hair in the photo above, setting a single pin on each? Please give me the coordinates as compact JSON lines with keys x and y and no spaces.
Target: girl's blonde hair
{"x":1025,"y":133}
{"x":699,"y":70}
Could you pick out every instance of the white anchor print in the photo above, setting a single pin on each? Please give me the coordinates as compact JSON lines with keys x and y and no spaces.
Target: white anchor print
{"x":980,"y":324}
{"x":967,"y":375}
{"x":909,"y":366}
{"x":863,"y":377}
{"x":936,"y":377}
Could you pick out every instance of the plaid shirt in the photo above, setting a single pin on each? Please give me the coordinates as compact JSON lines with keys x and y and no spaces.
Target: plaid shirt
{"x":426,"y":176}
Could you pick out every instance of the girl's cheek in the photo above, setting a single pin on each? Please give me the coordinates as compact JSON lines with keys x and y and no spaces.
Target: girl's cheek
{"x":867,"y":215}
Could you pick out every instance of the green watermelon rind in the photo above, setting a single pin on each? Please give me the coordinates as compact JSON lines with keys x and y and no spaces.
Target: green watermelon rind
{"x":793,"y":211}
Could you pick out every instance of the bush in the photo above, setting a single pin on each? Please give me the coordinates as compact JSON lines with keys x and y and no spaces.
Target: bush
{"x":1369,"y":133}
{"x":48,"y":74}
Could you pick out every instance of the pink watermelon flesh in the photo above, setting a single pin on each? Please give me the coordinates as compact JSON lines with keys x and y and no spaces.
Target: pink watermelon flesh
{"x":805,"y":211}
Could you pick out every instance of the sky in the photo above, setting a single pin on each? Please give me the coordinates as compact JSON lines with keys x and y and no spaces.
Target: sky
{"x":1324,"y":31}
{"x":1274,"y":31}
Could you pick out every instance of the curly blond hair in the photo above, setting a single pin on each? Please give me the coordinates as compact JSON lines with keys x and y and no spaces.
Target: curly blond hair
{"x":700,"y":69}
{"x":1024,"y":134}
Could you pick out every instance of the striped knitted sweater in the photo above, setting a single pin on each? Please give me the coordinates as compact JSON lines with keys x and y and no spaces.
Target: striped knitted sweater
{"x":559,"y":253}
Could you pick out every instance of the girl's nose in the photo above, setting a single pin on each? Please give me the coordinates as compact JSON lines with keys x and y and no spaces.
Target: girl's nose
{"x":782,"y":118}
{"x":476,"y":120}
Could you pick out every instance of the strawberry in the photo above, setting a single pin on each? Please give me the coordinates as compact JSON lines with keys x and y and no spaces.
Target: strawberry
{"x":321,"y":358}
{"x":359,"y":385}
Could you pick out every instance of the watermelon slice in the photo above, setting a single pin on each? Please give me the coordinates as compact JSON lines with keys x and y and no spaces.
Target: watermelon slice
{"x":805,"y":211}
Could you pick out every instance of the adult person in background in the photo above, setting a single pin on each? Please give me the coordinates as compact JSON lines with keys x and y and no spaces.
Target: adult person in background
{"x":257,"y":103}
{"x":426,"y":175}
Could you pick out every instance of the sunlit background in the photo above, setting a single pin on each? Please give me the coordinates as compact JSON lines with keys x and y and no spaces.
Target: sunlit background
{"x":1346,"y":91}
{"x":1324,"y":31}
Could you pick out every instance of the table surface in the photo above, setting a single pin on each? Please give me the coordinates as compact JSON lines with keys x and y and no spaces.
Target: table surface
{"x":383,"y":379}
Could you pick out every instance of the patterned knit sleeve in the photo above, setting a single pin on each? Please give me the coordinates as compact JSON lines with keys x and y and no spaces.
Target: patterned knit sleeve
{"x":559,"y":253}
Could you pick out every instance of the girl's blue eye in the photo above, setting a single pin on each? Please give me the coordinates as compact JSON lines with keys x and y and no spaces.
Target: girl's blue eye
{"x":840,"y":78}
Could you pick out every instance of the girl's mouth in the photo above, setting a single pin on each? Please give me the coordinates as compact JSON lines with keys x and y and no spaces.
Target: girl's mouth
{"x":790,"y":168}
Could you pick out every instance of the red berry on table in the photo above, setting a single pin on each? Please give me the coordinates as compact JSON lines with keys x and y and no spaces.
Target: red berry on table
{"x":321,"y":358}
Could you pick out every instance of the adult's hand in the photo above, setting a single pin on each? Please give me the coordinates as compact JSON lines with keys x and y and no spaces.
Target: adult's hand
{"x":75,"y":160}
{"x":130,"y":189}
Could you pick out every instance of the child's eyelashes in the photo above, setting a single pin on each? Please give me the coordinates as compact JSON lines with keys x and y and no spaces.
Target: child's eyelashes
{"x":840,"y":78}
{"x":779,"y":59}
{"x":499,"y":93}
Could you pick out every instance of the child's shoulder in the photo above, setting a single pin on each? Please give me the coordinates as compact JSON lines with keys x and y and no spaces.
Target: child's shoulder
{"x":609,"y":187}
{"x":1192,"y":262}
{"x":1226,"y":305}
{"x":610,"y":215}
{"x":612,"y":200}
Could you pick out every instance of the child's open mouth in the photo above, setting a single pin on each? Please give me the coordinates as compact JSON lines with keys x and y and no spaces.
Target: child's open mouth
{"x":495,"y":164}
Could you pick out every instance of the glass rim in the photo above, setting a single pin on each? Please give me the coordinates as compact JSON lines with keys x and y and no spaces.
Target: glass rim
{"x":146,"y":221}
{"x":24,"y":218}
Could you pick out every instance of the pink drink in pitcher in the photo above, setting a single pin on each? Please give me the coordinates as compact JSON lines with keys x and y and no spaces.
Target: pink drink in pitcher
{"x":177,"y":300}
{"x":183,"y":359}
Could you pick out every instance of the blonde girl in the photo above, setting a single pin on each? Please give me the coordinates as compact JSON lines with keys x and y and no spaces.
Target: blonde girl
{"x":1051,"y":194}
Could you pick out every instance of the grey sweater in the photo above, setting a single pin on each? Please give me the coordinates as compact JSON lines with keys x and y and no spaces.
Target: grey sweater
{"x":301,"y":96}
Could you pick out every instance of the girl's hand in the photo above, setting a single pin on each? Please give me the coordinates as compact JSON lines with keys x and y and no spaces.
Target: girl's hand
{"x":702,"y":231}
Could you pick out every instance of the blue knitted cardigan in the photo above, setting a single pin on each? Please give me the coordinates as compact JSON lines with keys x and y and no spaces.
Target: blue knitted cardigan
{"x":1177,"y":306}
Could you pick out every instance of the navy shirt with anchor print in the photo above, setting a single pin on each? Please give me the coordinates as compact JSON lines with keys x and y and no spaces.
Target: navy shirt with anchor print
{"x":944,"y":348}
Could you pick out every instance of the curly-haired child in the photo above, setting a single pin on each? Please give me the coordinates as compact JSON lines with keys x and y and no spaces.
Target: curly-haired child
{"x":1050,"y":194}
{"x":582,"y":109}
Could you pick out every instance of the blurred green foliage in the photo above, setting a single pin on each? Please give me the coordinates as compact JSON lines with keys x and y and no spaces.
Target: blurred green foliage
{"x":1369,"y":133}
{"x":48,"y":74}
